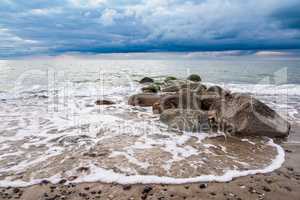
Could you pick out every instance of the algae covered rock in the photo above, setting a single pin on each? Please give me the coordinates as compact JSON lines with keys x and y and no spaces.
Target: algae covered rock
{"x":153,"y":88}
{"x":146,"y":80}
{"x":194,"y":77}
{"x":170,"y":78}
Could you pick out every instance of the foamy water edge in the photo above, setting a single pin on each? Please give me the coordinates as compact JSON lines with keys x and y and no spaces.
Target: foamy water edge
{"x":108,"y":176}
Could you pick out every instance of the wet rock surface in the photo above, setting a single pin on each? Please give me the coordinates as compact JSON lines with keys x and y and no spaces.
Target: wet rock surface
{"x":239,"y":114}
{"x":244,"y":115}
{"x":146,"y":80}
{"x":186,"y":120}
{"x":104,"y":102}
{"x":143,"y":100}
{"x":194,"y":77}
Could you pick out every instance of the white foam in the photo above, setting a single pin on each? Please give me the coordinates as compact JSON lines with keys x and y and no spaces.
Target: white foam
{"x":247,"y":140}
{"x":108,"y":176}
{"x":73,"y":114}
{"x":131,"y":159}
{"x":270,"y":89}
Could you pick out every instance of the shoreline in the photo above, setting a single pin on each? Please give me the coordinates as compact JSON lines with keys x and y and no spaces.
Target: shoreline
{"x":283,"y":183}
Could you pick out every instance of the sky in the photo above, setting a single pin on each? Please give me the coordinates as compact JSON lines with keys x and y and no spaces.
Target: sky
{"x":53,"y":27}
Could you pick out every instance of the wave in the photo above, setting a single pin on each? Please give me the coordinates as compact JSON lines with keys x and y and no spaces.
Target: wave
{"x":97,"y":173}
{"x":128,"y":145}
{"x":264,"y":89}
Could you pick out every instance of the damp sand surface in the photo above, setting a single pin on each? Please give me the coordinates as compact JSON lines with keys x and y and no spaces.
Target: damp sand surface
{"x":283,"y":183}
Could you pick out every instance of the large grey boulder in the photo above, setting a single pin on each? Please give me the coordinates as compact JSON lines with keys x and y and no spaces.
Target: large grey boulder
{"x":186,"y":120}
{"x":246,"y":116}
{"x":143,"y":100}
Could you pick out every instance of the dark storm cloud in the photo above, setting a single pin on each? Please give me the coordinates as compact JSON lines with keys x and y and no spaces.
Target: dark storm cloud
{"x":58,"y":26}
{"x":289,"y":15}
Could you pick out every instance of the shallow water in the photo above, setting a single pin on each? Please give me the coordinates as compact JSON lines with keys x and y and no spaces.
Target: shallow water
{"x":50,"y":127}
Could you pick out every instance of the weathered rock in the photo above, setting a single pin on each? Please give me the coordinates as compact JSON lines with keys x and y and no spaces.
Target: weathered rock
{"x":209,"y":99}
{"x":156,"y":108}
{"x":212,"y":95}
{"x":170,"y":78}
{"x":146,"y":80}
{"x":104,"y":102}
{"x":185,"y":99}
{"x":244,"y":115}
{"x":194,"y":77}
{"x":143,"y":100}
{"x":173,"y":88}
{"x":164,"y":103}
{"x":157,"y":83}
{"x":177,"y":86}
{"x":217,"y":90}
{"x":186,"y":120}
{"x":153,"y":88}
{"x":196,"y":88}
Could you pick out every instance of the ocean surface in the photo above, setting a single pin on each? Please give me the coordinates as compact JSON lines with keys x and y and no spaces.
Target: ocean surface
{"x":50,"y":127}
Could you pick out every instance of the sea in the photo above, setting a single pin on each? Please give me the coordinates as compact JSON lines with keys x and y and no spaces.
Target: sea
{"x":50,"y":127}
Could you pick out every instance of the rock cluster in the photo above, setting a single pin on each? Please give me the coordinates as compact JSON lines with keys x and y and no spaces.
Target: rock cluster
{"x":190,"y":106}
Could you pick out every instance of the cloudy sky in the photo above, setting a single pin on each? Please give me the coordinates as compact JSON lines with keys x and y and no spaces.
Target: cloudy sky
{"x":51,"y":27}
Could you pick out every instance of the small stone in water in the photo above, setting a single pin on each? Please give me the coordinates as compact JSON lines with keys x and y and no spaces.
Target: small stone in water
{"x":147,"y":189}
{"x":126,"y":187}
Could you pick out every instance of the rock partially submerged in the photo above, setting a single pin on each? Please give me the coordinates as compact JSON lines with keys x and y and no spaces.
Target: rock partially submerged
{"x":146,"y":80}
{"x":217,"y":90}
{"x":244,"y":115}
{"x":143,"y":100}
{"x":185,"y":99}
{"x":185,"y":104}
{"x":177,"y":86}
{"x":186,"y":120}
{"x":170,"y":78}
{"x":153,"y":88}
{"x":212,"y":95}
{"x":194,"y":77}
{"x":104,"y":102}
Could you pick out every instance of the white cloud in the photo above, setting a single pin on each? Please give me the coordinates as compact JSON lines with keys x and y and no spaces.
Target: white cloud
{"x":149,"y":25}
{"x":272,"y":53}
{"x":45,"y":11}
{"x":109,"y":16}
{"x":87,"y":3}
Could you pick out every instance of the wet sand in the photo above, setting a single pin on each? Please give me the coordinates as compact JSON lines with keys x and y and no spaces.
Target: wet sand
{"x":283,"y":183}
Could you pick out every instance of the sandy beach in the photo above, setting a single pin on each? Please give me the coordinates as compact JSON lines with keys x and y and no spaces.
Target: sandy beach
{"x":283,"y":183}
